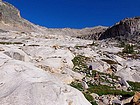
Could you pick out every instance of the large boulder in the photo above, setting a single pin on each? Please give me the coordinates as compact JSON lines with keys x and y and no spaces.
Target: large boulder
{"x":56,"y":60}
{"x":100,"y":66}
{"x":24,"y":84}
{"x":130,"y":70}
{"x":16,"y":54}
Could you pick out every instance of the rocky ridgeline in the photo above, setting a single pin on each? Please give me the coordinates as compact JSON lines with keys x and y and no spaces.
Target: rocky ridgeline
{"x":127,"y":29}
{"x":92,"y":34}
{"x":10,"y":18}
{"x":85,"y":33}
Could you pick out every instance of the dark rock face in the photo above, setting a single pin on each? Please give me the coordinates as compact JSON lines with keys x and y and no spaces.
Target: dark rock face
{"x":127,"y":29}
{"x":0,"y":16}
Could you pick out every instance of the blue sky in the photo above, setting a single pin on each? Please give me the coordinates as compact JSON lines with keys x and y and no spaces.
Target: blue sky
{"x":76,"y":13}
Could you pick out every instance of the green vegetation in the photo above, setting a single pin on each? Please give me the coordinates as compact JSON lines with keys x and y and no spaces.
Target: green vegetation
{"x":121,"y":44}
{"x":94,"y":103}
{"x":89,"y":98}
{"x":77,"y":85}
{"x":105,"y":75}
{"x":129,"y":49}
{"x":135,"y":86}
{"x":96,"y":86}
{"x":11,"y":43}
{"x":80,"y":63}
{"x":100,"y":90}
{"x":105,"y":90}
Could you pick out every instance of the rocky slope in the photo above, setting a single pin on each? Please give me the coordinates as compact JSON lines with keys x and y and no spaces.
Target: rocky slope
{"x":33,"y":63}
{"x":92,"y":33}
{"x":127,"y":29}
{"x":24,"y":84}
{"x":10,"y":18}
{"x":39,"y":67}
{"x":28,"y":77}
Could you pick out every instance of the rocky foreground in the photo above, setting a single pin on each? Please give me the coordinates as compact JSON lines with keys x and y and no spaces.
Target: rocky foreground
{"x":38,"y":68}
{"x":41,"y":66}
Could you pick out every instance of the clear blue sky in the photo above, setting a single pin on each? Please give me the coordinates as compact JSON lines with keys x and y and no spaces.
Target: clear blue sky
{"x":76,"y":13}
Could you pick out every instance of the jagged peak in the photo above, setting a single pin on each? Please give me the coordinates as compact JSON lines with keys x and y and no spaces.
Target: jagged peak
{"x":136,"y":18}
{"x":10,"y":18}
{"x":126,"y":29}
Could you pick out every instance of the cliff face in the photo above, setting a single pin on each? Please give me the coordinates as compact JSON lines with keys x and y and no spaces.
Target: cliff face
{"x":10,"y":18}
{"x":126,"y":29}
{"x":8,"y":13}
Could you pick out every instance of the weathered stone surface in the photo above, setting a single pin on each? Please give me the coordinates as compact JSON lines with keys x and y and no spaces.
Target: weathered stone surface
{"x":36,"y":71}
{"x":136,"y":98}
{"x":127,"y":101}
{"x":23,"y":84}
{"x":17,"y":54}
{"x":10,"y":18}
{"x":127,"y":29}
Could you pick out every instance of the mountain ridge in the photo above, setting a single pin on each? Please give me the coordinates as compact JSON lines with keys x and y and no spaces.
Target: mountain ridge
{"x":40,"y":66}
{"x":10,"y":18}
{"x":127,"y":29}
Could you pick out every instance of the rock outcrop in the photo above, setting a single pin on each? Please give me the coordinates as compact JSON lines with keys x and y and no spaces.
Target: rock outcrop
{"x":10,"y":18}
{"x":127,"y":29}
{"x":136,"y":99}
{"x":39,"y":67}
{"x":24,"y":84}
